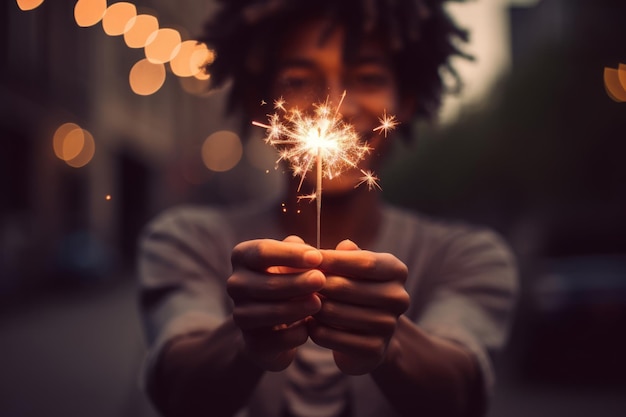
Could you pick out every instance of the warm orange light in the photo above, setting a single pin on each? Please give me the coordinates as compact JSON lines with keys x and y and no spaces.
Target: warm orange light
{"x":138,"y":29}
{"x":146,"y":78}
{"x":73,"y":144}
{"x":202,"y":74}
{"x":163,"y":45}
{"x":222,"y":151}
{"x":28,"y":4}
{"x":200,"y":58}
{"x":107,"y":197}
{"x":612,"y":84}
{"x":117,"y":16}
{"x":58,"y":140}
{"x":621,"y":75}
{"x":89,"y":12}
{"x":85,"y":153}
{"x":190,"y":59}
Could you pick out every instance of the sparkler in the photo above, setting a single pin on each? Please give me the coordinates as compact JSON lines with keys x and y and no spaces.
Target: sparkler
{"x":321,"y":140}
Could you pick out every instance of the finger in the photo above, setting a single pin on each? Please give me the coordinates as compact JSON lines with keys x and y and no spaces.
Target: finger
{"x":364,"y":346}
{"x":388,"y":296}
{"x":363,"y":264}
{"x":274,"y":350}
{"x":356,"y":319}
{"x":347,"y":245}
{"x":261,"y":254}
{"x":293,"y":239}
{"x":246,"y":285}
{"x":259,"y":315}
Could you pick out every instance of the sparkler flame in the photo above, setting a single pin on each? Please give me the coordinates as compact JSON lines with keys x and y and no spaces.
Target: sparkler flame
{"x":320,"y":139}
{"x":301,"y":138}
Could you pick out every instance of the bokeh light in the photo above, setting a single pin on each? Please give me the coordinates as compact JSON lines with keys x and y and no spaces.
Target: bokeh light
{"x":613,"y":85}
{"x":621,"y":75}
{"x":86,"y":153}
{"x":138,"y":30}
{"x":146,"y":77}
{"x":200,"y":58}
{"x":163,"y":45}
{"x":202,"y":75}
{"x":73,"y":145}
{"x":89,"y":12}
{"x":28,"y":4}
{"x":58,"y":139}
{"x":221,"y":151}
{"x":116,"y":18}
{"x":191,"y":58}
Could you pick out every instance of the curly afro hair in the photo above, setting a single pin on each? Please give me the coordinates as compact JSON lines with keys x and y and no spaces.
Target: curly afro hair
{"x":421,"y":36}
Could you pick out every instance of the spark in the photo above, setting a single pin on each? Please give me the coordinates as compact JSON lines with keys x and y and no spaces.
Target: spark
{"x":279,"y":104}
{"x":370,"y":179}
{"x":263,"y":102}
{"x":387,"y":123}
{"x":309,"y":197}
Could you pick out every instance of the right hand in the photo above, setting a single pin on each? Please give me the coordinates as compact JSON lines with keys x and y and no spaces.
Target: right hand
{"x":274,"y":290}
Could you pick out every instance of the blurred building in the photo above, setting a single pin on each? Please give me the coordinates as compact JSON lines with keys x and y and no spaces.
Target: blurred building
{"x":61,"y":224}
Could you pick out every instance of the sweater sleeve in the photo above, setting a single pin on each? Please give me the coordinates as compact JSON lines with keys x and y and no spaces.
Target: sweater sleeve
{"x":472,"y":296}
{"x":183,"y":264}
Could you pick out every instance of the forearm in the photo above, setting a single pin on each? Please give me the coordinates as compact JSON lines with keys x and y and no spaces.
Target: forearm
{"x":426,"y":376}
{"x":204,"y":374}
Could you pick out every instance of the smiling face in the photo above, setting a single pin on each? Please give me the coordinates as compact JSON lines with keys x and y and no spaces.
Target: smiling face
{"x":313,"y":68}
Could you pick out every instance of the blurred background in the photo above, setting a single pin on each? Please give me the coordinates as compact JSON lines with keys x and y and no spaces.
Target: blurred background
{"x":95,"y":140}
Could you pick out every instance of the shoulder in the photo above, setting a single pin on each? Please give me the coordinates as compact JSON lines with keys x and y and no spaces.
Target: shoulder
{"x":435,"y":246}
{"x":185,"y":219}
{"x":446,"y":235}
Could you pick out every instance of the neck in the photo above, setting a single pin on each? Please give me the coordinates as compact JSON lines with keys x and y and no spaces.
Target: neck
{"x":353,"y":215}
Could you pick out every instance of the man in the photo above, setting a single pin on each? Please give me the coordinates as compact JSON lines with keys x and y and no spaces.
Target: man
{"x":398,"y":314}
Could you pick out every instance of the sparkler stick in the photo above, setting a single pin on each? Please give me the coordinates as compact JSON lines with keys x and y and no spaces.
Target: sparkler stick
{"x":321,"y":139}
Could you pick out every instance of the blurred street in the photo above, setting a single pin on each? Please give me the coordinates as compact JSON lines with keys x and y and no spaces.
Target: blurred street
{"x":73,"y":354}
{"x":78,"y":354}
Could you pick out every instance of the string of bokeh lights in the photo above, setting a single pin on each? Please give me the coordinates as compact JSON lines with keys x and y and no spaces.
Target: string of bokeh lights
{"x":187,"y":60}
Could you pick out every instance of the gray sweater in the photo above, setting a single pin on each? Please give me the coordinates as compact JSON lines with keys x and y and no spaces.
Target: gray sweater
{"x":462,"y":282}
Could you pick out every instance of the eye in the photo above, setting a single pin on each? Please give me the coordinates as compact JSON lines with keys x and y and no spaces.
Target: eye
{"x":297,"y":81}
{"x":371,"y":78}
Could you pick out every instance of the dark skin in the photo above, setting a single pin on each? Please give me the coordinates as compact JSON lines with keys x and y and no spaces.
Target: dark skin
{"x":345,"y":299}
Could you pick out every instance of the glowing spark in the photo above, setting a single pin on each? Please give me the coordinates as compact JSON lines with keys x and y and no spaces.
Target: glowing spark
{"x":387,"y":123}
{"x":263,"y":102}
{"x":370,"y":179}
{"x":309,"y":197}
{"x":107,"y":197}
{"x":279,"y":104}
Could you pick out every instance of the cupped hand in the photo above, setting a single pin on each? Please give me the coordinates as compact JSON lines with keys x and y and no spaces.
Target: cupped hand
{"x":362,"y":299}
{"x":274,"y":289}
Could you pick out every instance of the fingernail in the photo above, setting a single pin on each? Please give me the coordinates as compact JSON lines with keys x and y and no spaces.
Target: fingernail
{"x":312,"y":258}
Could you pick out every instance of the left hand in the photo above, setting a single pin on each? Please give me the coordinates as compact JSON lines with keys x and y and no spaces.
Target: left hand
{"x":362,"y":299}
